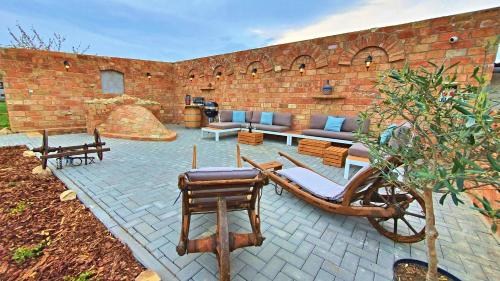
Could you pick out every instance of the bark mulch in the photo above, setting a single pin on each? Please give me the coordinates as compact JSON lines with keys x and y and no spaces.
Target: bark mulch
{"x":31,"y":215}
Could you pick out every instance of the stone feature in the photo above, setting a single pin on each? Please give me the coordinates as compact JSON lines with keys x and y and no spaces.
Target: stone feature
{"x":5,"y":131}
{"x":148,"y":275}
{"x":67,"y":195}
{"x":136,"y":123}
{"x":39,"y":171}
{"x":28,"y":153}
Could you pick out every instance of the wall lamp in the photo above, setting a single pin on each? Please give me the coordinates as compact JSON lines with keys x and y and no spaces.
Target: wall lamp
{"x":302,"y":68}
{"x":66,"y":65}
{"x":368,"y":61}
{"x":218,"y":75}
{"x":191,"y":77}
{"x":254,"y":72}
{"x":149,"y":75}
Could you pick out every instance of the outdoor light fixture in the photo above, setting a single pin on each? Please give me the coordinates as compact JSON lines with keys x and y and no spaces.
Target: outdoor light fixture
{"x":191,"y":77}
{"x":66,"y":65}
{"x":254,"y":72}
{"x":302,"y":67}
{"x":149,"y":75}
{"x":368,"y":61}
{"x":218,"y":75}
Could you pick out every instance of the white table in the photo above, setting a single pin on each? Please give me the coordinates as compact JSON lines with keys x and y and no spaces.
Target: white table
{"x":217,"y":132}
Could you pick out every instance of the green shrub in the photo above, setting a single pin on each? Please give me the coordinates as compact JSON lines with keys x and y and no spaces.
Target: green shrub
{"x":21,"y":254}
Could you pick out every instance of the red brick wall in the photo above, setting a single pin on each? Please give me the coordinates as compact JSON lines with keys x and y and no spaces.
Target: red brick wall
{"x":338,"y":58}
{"x":57,"y":96}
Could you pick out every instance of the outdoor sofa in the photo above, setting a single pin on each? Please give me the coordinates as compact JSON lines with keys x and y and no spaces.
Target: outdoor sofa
{"x":347,"y":131}
{"x":281,"y":121}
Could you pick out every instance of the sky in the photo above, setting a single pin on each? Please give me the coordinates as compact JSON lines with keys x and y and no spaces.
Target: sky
{"x":178,"y":30}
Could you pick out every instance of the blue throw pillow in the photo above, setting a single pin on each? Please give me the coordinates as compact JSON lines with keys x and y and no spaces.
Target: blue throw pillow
{"x":386,"y":135}
{"x":334,"y":124}
{"x":266,"y":118}
{"x":239,"y":116}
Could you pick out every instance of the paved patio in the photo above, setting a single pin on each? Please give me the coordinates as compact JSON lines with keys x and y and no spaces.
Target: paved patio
{"x":133,"y":192}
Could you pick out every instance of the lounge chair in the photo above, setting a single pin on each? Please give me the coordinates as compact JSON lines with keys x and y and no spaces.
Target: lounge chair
{"x":220,"y":189}
{"x":367,"y":194}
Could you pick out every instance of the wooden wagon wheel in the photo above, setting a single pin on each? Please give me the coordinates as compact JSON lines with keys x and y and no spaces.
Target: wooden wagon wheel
{"x":97,"y":140}
{"x":222,"y":236}
{"x":44,"y":149}
{"x":408,"y":223}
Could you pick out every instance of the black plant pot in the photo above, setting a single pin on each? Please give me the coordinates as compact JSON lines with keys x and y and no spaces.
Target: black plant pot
{"x":424,"y":264}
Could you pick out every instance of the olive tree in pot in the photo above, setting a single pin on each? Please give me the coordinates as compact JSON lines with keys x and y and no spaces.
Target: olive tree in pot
{"x":451,"y":145}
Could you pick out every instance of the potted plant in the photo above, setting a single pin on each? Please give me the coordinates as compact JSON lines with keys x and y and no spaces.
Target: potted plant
{"x":451,"y":144}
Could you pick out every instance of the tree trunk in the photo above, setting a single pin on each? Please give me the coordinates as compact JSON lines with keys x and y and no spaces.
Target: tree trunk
{"x":431,"y":235}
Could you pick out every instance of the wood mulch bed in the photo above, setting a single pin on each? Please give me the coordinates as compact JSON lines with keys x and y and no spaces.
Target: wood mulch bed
{"x":64,"y":239}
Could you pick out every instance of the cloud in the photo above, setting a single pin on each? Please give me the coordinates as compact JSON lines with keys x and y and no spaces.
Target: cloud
{"x":379,"y":13}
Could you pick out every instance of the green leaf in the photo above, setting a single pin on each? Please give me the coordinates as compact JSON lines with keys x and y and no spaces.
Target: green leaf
{"x":471,"y":121}
{"x":441,"y":200}
{"x":493,"y":162}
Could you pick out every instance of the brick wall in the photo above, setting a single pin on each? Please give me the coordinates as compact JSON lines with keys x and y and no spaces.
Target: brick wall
{"x":278,"y":85}
{"x":40,"y":93}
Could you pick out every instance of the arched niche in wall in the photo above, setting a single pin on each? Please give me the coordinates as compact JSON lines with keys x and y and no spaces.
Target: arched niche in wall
{"x":307,"y":49}
{"x":220,"y":71}
{"x":307,"y":61}
{"x":223,"y":63}
{"x":260,"y":58}
{"x":112,"y":82}
{"x":185,"y":70}
{"x":391,"y":45}
{"x":256,"y":67}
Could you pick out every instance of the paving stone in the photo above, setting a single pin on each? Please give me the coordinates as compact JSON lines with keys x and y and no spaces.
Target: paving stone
{"x":204,"y":275}
{"x":135,"y":198}
{"x":295,"y":273}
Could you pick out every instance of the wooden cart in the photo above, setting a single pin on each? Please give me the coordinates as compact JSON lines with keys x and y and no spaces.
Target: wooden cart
{"x":393,"y":210}
{"x":221,"y":190}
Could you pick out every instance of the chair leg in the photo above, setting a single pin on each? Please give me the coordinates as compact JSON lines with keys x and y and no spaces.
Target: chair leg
{"x":183,"y":241}
{"x":222,"y":233}
{"x":255,"y":223}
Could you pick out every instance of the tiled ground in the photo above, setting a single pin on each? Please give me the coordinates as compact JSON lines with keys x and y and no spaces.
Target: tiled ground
{"x":133,"y":192}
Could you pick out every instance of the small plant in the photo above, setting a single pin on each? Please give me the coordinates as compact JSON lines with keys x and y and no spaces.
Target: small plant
{"x":84,"y":276}
{"x":21,"y":254}
{"x":19,"y":208}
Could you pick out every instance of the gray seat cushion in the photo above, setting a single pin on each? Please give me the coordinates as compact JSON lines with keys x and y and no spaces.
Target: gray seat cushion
{"x":221,"y":173}
{"x":351,"y":124}
{"x":225,"y":115}
{"x":248,"y":116}
{"x":349,"y":136}
{"x":255,"y":117}
{"x":314,"y":183}
{"x":226,"y":125}
{"x":282,"y":119}
{"x":360,"y":150}
{"x":272,"y":128}
{"x":318,"y":121}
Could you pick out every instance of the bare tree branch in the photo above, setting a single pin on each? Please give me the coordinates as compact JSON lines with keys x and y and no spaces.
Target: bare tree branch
{"x":31,"y":39}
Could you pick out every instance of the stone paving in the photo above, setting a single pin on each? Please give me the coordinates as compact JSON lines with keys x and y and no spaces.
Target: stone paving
{"x":134,"y":189}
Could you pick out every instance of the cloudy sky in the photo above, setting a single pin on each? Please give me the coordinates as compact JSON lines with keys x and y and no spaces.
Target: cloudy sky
{"x":177,"y":30}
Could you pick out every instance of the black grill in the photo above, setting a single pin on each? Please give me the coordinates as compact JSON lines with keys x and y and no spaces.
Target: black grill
{"x":211,"y":110}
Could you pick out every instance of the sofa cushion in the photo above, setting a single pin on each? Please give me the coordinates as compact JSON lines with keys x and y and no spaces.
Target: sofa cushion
{"x":318,"y":121}
{"x":273,"y":128}
{"x":226,"y":116}
{"x":256,"y":116}
{"x":248,"y":116}
{"x":221,"y":173}
{"x":266,"y":118}
{"x":360,"y":150}
{"x":349,"y":136}
{"x":334,"y":124}
{"x":282,"y":119}
{"x":239,"y":116}
{"x":226,"y":125}
{"x":351,"y":124}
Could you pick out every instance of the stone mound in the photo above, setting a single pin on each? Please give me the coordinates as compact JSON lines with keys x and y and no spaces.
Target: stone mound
{"x":135,"y":122}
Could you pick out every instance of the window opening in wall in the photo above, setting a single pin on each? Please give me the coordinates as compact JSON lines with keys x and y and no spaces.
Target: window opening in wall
{"x":112,"y":82}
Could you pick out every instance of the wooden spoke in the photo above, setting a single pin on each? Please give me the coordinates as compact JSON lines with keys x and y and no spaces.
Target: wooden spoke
{"x":414,"y":215}
{"x":409,"y":225}
{"x":97,"y":140}
{"x":399,"y":202}
{"x":45,"y":148}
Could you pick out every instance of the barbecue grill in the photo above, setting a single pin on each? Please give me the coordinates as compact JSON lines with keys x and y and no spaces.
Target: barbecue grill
{"x":211,"y":110}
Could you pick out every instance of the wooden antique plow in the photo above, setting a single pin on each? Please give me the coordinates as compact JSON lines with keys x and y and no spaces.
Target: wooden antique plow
{"x":74,"y":155}
{"x":220,"y":190}
{"x":394,"y":211}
